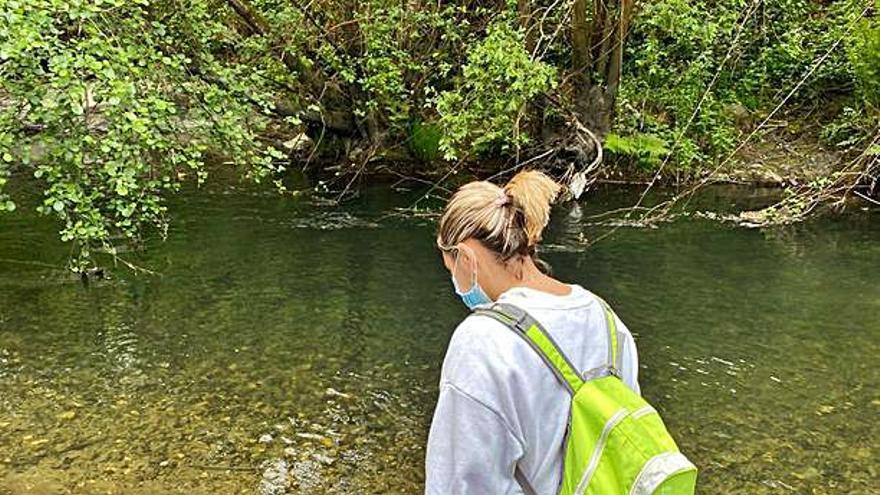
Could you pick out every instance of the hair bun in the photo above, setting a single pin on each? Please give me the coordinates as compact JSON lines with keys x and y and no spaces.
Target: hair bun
{"x":533,"y":192}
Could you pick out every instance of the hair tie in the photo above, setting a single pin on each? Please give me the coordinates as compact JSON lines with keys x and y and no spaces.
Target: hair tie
{"x":502,"y":199}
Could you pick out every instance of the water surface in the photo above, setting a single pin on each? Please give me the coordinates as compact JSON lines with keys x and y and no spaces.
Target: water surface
{"x":288,"y":347}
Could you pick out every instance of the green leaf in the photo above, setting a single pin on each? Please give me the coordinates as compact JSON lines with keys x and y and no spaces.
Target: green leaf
{"x":58,"y":206}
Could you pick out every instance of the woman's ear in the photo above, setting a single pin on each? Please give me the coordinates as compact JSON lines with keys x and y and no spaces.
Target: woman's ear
{"x":448,"y":259}
{"x":466,"y":258}
{"x":463,"y":268}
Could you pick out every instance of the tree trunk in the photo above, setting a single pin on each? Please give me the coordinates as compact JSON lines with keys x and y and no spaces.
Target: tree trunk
{"x":613,"y":78}
{"x":341,"y":121}
{"x":597,"y":56}
{"x":524,"y":10}
{"x":580,"y":54}
{"x":257,"y":24}
{"x":356,"y":48}
{"x":534,"y":110}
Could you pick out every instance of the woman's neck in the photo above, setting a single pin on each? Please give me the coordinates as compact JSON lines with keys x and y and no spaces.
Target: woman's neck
{"x":532,"y":277}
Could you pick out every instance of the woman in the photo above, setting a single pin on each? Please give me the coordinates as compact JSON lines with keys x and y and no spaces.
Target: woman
{"x":501,"y":417}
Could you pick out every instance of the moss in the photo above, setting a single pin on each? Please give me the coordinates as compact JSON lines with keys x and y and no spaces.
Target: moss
{"x":424,"y":142}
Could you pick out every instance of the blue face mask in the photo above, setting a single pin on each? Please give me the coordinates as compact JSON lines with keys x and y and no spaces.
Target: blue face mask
{"x":475,"y":296}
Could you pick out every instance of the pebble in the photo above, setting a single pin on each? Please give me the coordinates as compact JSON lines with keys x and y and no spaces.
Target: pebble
{"x":67,"y":415}
{"x":332,"y":392}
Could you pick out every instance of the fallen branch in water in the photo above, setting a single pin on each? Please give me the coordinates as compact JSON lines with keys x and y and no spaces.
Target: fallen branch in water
{"x":32,"y":263}
{"x":801,"y":201}
{"x":866,"y":198}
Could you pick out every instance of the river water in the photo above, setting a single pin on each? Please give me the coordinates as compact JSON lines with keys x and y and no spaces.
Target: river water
{"x":290,"y":347}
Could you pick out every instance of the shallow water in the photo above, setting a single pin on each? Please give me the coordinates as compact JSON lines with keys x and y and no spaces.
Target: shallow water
{"x":287,"y":347}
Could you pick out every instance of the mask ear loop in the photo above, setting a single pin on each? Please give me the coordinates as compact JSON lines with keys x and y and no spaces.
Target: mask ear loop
{"x":455,"y":265}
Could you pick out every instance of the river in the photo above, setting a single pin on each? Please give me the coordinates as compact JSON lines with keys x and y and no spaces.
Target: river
{"x":289,"y":347}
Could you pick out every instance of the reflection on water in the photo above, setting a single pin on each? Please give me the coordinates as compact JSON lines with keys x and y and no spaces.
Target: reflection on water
{"x":291,"y":348}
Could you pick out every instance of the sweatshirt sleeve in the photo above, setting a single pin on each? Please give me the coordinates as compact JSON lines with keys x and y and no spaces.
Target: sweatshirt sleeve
{"x":471,"y":450}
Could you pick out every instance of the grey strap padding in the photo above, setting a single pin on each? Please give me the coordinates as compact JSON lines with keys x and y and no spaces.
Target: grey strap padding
{"x":520,"y":477}
{"x":597,"y":372}
{"x":620,"y":343}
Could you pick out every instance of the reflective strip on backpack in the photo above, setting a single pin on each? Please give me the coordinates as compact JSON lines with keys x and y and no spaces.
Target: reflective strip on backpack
{"x":597,"y":451}
{"x":643,"y":411}
{"x":657,"y":470}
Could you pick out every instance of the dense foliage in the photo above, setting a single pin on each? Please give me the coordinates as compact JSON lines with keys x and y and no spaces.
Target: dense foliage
{"x":482,"y":109}
{"x":109,"y":105}
{"x":743,"y":57}
{"x":102,"y":104}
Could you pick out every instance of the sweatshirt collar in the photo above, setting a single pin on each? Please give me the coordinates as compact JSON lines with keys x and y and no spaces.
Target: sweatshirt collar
{"x":539,"y":299}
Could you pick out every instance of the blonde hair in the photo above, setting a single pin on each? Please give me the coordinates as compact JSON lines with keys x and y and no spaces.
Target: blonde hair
{"x":508,"y":220}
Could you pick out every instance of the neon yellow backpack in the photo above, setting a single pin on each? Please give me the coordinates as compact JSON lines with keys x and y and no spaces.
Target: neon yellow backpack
{"x":616,"y":442}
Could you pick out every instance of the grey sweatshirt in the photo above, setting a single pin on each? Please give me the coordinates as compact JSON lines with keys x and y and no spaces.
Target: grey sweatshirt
{"x":501,"y":407}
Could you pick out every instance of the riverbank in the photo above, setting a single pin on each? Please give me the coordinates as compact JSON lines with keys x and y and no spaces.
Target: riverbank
{"x":787,"y":152}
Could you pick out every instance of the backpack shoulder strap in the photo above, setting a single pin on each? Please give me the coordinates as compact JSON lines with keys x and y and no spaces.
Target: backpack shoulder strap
{"x":538,"y":339}
{"x":615,"y":360}
{"x":524,"y":483}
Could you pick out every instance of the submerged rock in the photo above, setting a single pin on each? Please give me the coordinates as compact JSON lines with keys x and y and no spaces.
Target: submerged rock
{"x":332,"y":392}
{"x":67,"y":415}
{"x":275,"y":479}
{"x":307,"y":475}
